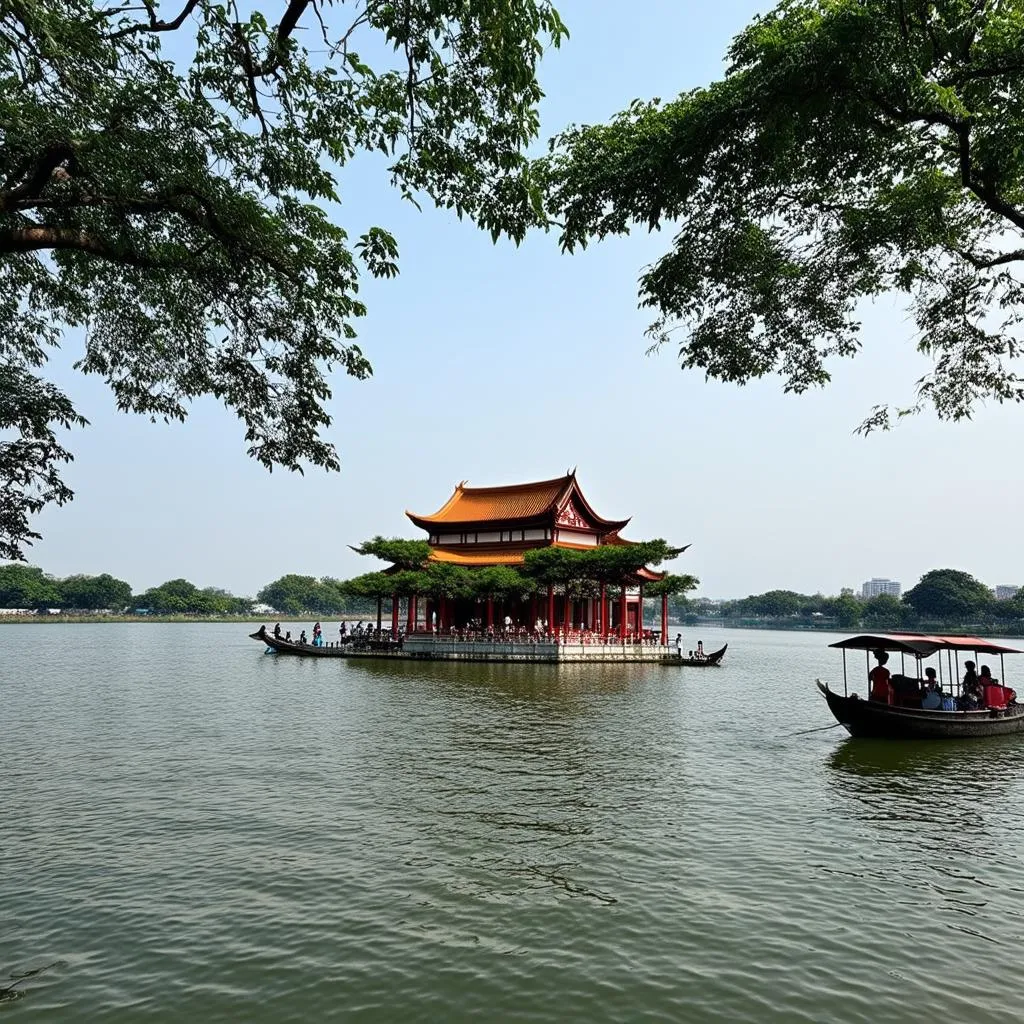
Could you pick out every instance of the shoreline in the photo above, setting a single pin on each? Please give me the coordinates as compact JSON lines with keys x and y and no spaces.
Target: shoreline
{"x":86,"y":619}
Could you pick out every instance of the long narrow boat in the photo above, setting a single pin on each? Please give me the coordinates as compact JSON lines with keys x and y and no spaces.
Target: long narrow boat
{"x":880,"y":720}
{"x":712,"y":660}
{"x":352,"y":648}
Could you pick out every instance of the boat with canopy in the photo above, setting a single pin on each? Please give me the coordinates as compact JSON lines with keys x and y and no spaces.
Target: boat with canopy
{"x":902,"y":716}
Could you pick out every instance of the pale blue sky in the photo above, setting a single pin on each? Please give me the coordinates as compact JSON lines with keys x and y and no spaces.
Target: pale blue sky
{"x":496,"y":365}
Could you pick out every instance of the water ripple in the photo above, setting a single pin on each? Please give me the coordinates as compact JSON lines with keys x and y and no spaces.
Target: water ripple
{"x":193,"y":830}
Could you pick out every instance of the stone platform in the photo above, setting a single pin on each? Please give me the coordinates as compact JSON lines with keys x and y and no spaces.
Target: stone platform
{"x":447,"y":649}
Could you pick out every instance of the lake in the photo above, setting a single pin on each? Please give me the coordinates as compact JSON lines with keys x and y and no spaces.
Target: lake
{"x":193,"y":830}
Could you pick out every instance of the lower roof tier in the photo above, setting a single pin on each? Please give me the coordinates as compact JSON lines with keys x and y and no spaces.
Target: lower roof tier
{"x":510,"y":556}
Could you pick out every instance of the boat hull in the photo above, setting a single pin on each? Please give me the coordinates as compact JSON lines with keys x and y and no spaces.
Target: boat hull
{"x":868,"y":718}
{"x":712,"y":660}
{"x":348,"y":650}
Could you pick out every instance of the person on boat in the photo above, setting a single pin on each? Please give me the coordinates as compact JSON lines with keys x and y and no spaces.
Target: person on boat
{"x":288,"y":637}
{"x":277,"y":631}
{"x":931,"y":700}
{"x":302,"y":637}
{"x":700,"y":650}
{"x":880,"y":678}
{"x":971,"y":695}
{"x":970,"y":676}
{"x":993,"y":695}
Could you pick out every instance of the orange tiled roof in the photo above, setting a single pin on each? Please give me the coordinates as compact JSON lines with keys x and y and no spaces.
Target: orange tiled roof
{"x":512,"y":503}
{"x":487,"y":504}
{"x":478,"y":557}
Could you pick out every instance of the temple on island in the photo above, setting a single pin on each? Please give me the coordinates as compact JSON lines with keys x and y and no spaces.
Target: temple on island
{"x":480,"y":527}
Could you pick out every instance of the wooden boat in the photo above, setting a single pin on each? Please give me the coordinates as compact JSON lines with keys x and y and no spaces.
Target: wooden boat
{"x":354,"y":646}
{"x":711,"y":660}
{"x":879,"y":720}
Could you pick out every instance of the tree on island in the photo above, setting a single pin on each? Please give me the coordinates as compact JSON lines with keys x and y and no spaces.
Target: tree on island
{"x":163,"y":178}
{"x":853,"y":148}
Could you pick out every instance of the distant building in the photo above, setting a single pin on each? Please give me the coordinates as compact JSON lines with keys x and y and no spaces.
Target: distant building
{"x":877,"y":585}
{"x":1005,"y":591}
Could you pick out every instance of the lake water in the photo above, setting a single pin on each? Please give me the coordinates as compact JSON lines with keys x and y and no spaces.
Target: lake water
{"x":192,"y":830}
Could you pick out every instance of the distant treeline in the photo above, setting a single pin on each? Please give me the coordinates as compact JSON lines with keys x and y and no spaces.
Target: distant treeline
{"x":943,"y":596}
{"x":26,"y":586}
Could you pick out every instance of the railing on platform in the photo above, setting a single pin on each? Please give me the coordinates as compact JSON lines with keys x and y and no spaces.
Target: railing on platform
{"x":576,"y":637}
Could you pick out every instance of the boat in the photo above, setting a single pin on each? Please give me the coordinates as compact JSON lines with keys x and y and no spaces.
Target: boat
{"x":352,"y":647}
{"x":905,"y":718}
{"x":712,"y":660}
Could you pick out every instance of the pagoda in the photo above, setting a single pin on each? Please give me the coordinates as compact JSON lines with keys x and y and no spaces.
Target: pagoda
{"x":479,"y":527}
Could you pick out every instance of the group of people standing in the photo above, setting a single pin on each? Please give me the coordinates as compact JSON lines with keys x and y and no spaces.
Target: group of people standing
{"x":979,"y":689}
{"x":345,"y":635}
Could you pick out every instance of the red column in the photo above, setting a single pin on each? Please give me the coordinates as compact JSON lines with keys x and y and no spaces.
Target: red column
{"x":380,"y":605}
{"x":604,"y":612}
{"x":411,"y":624}
{"x":566,"y":611}
{"x":640,"y":613}
{"x":394,"y":616}
{"x":533,"y":611}
{"x":664,"y":620}
{"x":442,"y":615}
{"x":551,"y":609}
{"x":490,"y":611}
{"x":622,"y":614}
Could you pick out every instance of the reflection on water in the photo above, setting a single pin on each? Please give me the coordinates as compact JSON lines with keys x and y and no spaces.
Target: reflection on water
{"x":16,"y":988}
{"x":196,"y":829}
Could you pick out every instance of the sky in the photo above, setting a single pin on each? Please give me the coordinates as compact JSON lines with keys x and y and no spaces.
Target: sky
{"x":495,"y":364}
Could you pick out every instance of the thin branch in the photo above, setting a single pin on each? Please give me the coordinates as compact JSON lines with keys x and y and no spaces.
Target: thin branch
{"x":984,"y":264}
{"x":154,"y":24}
{"x":250,"y":75}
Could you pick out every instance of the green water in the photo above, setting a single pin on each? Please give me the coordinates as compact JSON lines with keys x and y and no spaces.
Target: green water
{"x":194,"y":831}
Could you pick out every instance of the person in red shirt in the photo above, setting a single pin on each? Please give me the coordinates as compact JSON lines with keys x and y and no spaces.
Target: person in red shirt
{"x":879,"y":676}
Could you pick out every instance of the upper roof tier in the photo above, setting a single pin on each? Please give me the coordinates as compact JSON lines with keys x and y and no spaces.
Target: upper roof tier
{"x":516,"y":503}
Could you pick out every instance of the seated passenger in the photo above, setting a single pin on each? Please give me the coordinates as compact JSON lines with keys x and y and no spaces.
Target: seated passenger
{"x":932,"y":698}
{"x":992,"y":692}
{"x":879,"y":676}
{"x":302,"y":637}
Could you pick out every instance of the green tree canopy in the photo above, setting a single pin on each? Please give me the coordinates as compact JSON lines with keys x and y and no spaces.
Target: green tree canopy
{"x":501,"y":583}
{"x":673,"y":586}
{"x":853,"y":148}
{"x":180,"y":597}
{"x":405,"y":554}
{"x":163,"y":177}
{"x":609,"y":563}
{"x":293,"y":594}
{"x":92,"y":592}
{"x":884,"y":611}
{"x":948,"y":594}
{"x":774,"y":604}
{"x":26,"y":586}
